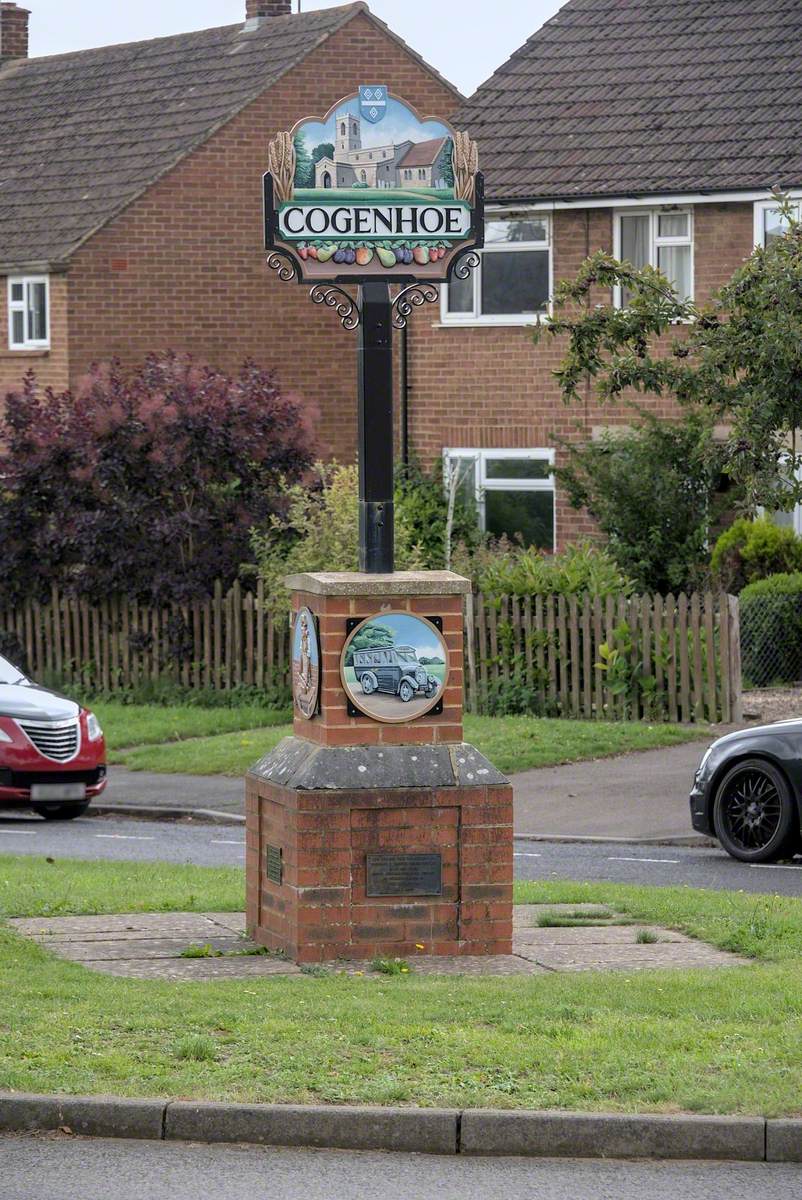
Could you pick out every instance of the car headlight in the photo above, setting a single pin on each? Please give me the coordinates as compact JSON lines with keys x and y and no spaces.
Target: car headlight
{"x":93,"y":728}
{"x":4,"y":736}
{"x":705,"y":757}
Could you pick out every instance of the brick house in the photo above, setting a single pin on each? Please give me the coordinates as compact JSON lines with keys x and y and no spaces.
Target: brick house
{"x":131,"y":196}
{"x":654,"y":129}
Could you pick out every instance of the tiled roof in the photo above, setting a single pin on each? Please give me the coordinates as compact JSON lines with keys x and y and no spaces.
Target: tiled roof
{"x":423,"y":154}
{"x":632,"y":97}
{"x":81,"y":135}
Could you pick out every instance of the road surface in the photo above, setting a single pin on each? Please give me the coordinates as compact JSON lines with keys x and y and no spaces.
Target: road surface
{"x":119,"y":839}
{"x":64,"y":1168}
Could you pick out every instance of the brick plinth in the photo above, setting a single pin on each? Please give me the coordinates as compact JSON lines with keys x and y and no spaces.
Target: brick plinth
{"x":320,"y":911}
{"x":347,"y":786}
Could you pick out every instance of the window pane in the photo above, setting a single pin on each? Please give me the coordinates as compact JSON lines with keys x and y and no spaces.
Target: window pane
{"x":673,"y":225}
{"x":675,"y":263}
{"x":18,"y":328}
{"x":16,"y":293}
{"x":530,"y":514}
{"x":774,"y":225}
{"x":515,"y":229}
{"x":635,"y":240}
{"x":517,"y":468}
{"x":515,"y":283}
{"x":37,"y":312}
{"x":460,"y":294}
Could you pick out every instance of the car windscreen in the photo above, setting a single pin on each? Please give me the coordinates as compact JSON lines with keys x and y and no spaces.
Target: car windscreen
{"x":9,"y":673}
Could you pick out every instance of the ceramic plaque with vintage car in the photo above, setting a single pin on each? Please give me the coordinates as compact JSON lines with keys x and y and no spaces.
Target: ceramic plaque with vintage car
{"x":746,"y":792}
{"x":52,"y":751}
{"x":394,"y":666}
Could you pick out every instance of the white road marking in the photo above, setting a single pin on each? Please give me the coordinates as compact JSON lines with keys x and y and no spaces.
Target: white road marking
{"x":125,"y":837}
{"x":775,"y":866}
{"x":224,"y":842}
{"x":20,"y":832}
{"x":526,"y":854}
{"x":647,"y":860}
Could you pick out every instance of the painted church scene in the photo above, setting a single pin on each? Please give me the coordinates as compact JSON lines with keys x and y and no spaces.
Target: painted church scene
{"x":374,"y":143}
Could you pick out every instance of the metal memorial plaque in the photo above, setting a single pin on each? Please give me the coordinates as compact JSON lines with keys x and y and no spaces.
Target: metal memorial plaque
{"x":274,"y":864}
{"x":404,"y":875}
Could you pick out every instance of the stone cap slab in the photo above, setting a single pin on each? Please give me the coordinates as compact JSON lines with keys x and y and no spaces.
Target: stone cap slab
{"x":398,"y":583}
{"x":304,"y":766}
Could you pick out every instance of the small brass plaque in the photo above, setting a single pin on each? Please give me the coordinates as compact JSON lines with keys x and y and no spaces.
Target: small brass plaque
{"x":274,"y":865}
{"x":404,"y":875}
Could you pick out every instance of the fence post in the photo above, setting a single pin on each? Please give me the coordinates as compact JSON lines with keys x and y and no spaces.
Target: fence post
{"x":470,"y":639}
{"x":736,"y":685}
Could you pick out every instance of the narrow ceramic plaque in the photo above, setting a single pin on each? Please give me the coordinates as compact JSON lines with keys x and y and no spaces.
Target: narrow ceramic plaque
{"x":394,"y":667}
{"x":306,"y":664}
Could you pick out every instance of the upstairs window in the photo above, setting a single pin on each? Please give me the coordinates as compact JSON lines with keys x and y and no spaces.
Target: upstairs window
{"x":770,"y":223}
{"x":513,"y":491}
{"x":656,"y":238}
{"x":512,"y":284}
{"x":28,"y":313}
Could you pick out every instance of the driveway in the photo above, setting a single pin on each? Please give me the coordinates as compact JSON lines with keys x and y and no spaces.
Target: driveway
{"x":638,"y":796}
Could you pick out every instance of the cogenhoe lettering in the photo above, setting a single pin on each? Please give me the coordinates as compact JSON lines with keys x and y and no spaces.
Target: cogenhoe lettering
{"x":299,"y":221}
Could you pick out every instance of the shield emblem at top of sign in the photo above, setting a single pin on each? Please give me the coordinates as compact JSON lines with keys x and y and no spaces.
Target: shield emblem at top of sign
{"x":373,"y":102}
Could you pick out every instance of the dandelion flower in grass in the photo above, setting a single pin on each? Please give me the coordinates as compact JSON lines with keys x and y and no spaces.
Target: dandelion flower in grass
{"x":419,"y":946}
{"x":405,"y":970}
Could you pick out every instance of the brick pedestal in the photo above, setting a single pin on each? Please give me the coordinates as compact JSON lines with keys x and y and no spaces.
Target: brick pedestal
{"x":346,"y":788}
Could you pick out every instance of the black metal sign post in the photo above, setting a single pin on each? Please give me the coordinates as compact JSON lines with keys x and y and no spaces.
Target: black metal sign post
{"x":375,"y":429}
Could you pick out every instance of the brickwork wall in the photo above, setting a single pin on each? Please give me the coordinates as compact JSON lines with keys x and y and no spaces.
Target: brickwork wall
{"x":492,"y":387}
{"x":184,"y":266}
{"x":320,"y":910}
{"x":51,"y":366}
{"x":334,"y":727}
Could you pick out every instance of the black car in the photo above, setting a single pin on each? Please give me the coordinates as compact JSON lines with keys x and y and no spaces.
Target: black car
{"x":746,"y":792}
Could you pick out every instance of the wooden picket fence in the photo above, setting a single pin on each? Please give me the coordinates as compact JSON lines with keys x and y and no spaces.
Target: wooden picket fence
{"x":226,"y":641}
{"x":627,"y":658}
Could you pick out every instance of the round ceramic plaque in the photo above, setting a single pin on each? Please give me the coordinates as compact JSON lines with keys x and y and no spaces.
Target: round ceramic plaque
{"x":306,"y":664}
{"x":394,"y":667}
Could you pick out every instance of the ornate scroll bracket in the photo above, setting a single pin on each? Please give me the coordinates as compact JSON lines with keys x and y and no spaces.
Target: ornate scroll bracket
{"x":411,"y":297}
{"x":346,"y":307}
{"x":282,"y":264}
{"x":465,"y":264}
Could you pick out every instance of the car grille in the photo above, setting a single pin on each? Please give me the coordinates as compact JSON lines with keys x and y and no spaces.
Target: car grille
{"x":57,"y":740}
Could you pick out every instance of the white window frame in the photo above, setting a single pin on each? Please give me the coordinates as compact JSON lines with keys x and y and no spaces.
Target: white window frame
{"x":655,"y":241}
{"x":761,"y":207}
{"x":477,"y":317}
{"x":27,"y":343}
{"x":484,"y":485}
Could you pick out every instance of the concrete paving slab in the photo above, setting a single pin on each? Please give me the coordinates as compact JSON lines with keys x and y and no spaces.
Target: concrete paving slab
{"x":153,"y":950}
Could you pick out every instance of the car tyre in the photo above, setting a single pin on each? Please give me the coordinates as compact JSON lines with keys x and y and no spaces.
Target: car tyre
{"x":406,"y":691}
{"x":60,"y":812}
{"x":754,"y":813}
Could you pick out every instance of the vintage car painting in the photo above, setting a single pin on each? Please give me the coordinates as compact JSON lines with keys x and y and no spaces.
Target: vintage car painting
{"x":394,"y":666}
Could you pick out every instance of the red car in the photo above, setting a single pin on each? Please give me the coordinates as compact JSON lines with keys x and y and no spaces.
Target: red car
{"x":52,"y":751}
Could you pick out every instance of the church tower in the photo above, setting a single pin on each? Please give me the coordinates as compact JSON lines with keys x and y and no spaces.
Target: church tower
{"x":349,"y":133}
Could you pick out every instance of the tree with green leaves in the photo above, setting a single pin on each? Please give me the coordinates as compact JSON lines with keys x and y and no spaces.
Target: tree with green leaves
{"x":655,"y":491}
{"x":737,"y":358}
{"x":323,"y":150}
{"x":304,"y":167}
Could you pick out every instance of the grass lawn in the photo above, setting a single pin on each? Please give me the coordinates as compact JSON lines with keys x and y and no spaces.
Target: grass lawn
{"x":172,"y":739}
{"x":145,"y":724}
{"x":720,"y":1041}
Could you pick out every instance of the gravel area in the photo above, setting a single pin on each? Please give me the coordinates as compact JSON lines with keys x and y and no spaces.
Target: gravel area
{"x":772,"y":704}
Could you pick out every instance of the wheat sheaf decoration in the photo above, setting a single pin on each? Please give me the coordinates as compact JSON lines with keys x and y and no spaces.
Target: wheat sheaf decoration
{"x":281,"y":164}
{"x":465,"y":160}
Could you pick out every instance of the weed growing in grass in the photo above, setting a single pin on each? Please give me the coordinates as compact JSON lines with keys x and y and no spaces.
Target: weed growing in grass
{"x":390,"y":966}
{"x":645,"y":937}
{"x":196,"y":1047}
{"x":315,"y":970}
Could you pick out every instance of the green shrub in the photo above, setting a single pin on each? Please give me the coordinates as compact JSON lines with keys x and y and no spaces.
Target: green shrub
{"x":504,"y":568}
{"x":771,"y":630}
{"x":752,"y":550}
